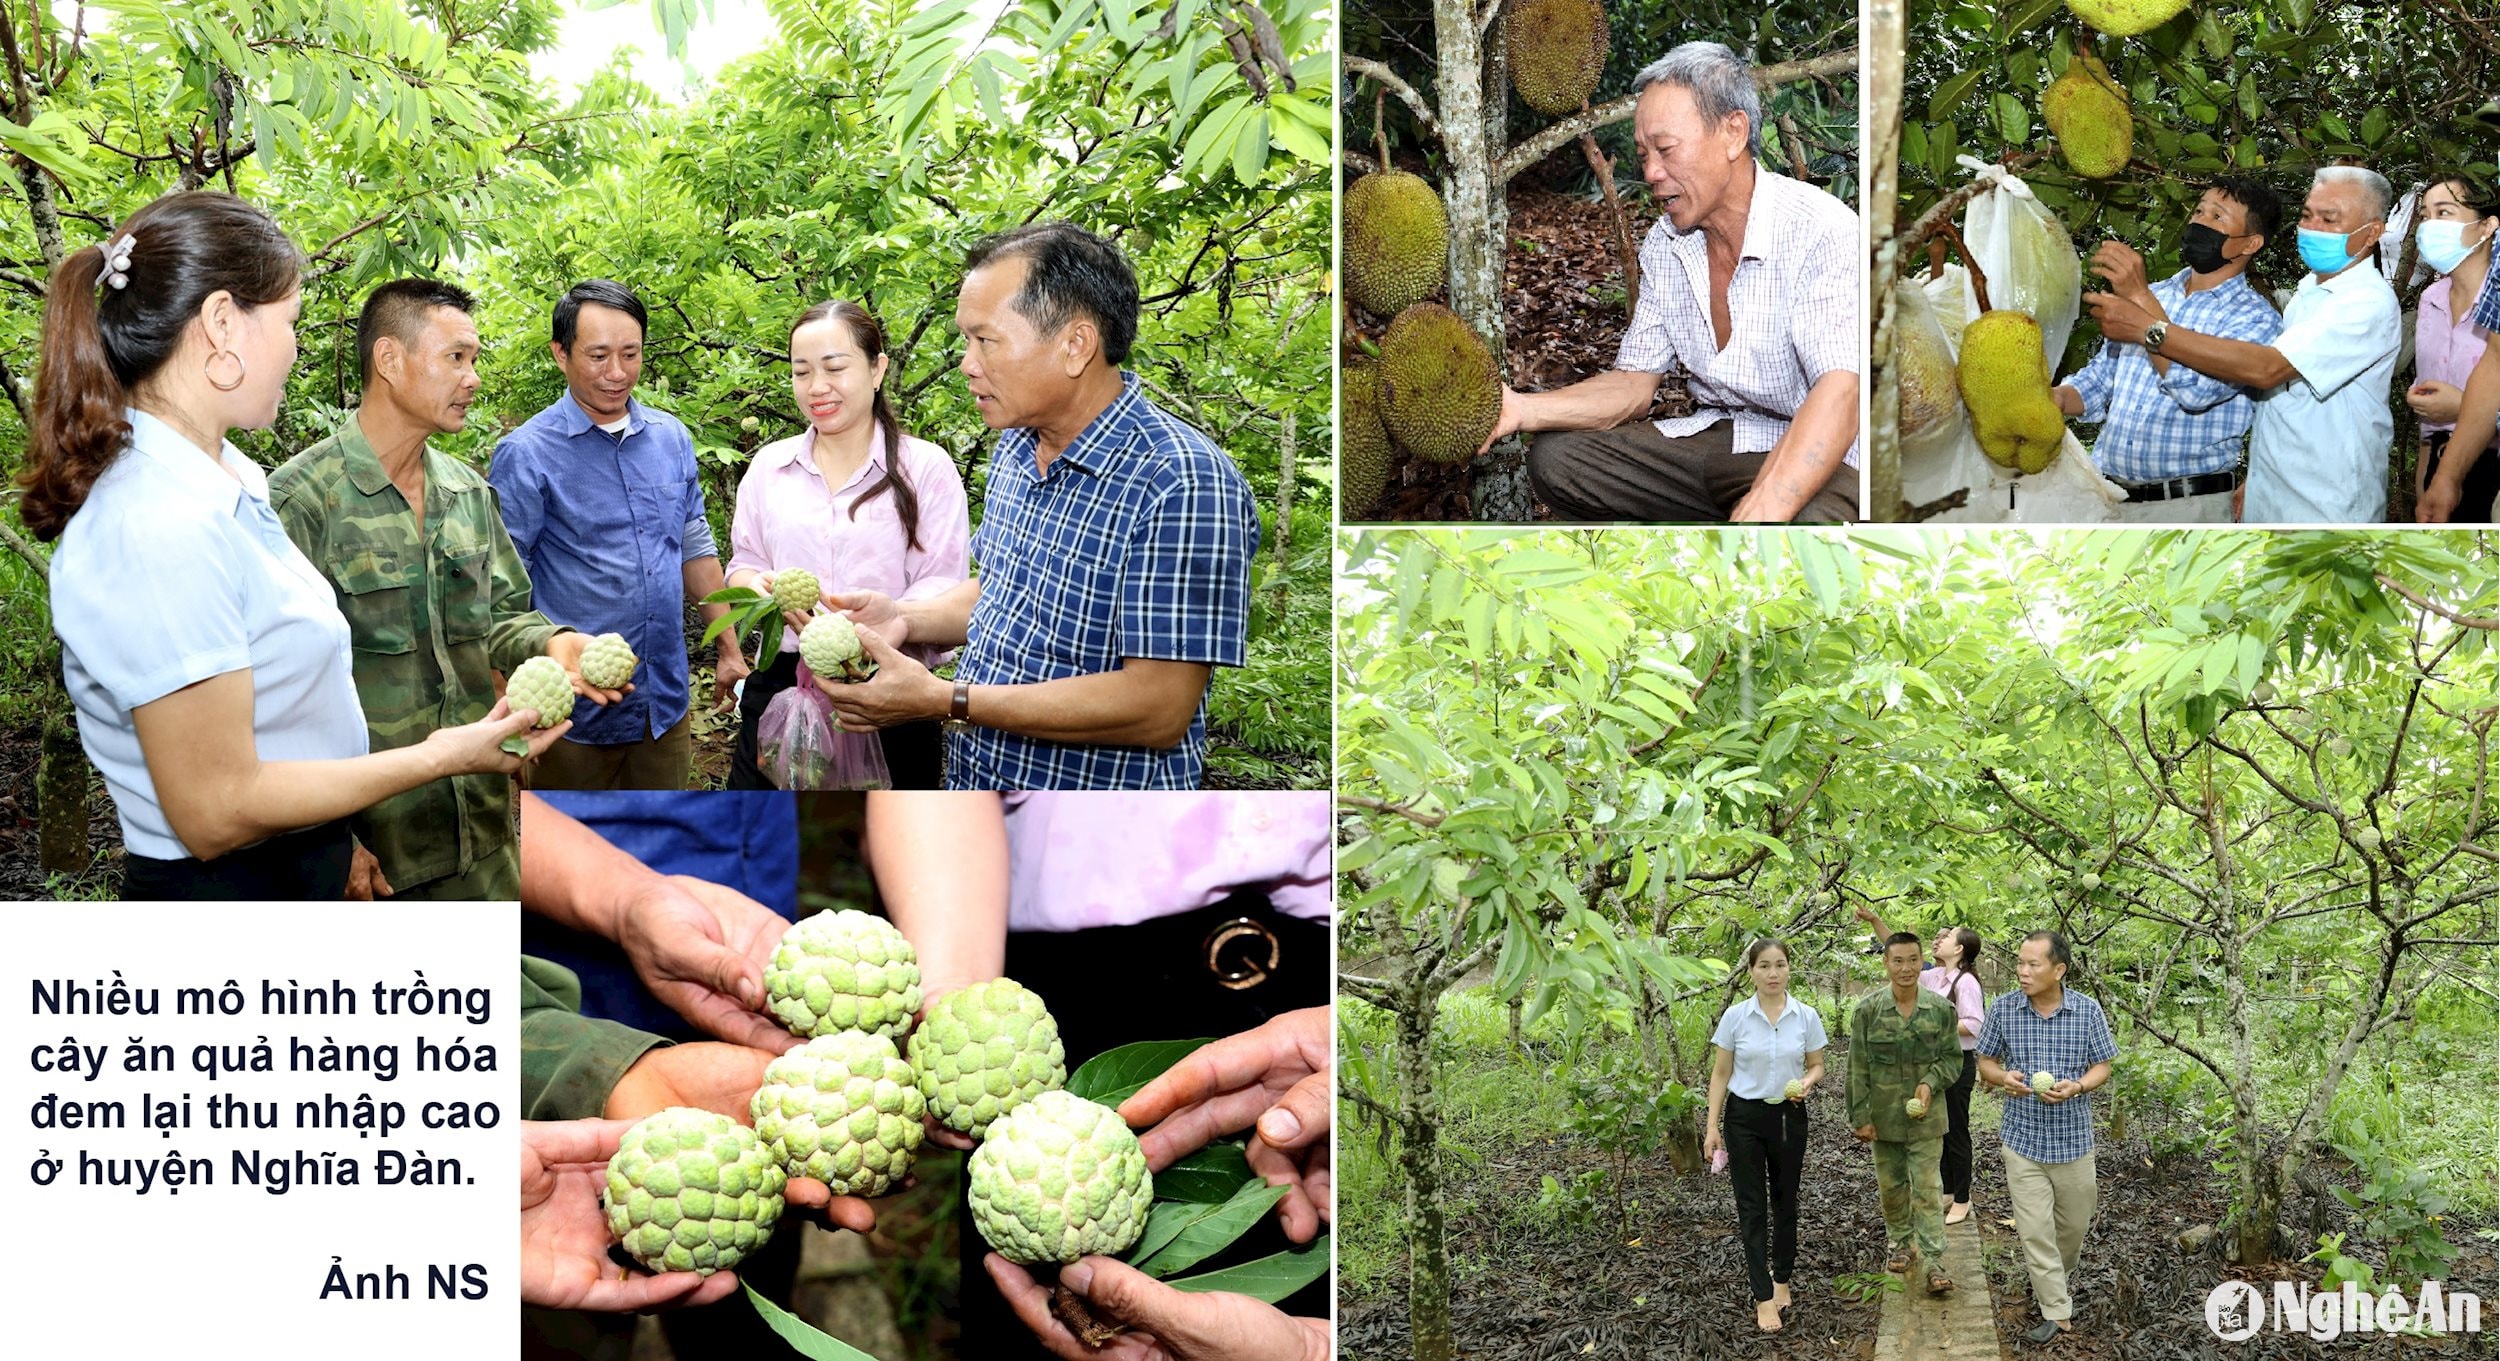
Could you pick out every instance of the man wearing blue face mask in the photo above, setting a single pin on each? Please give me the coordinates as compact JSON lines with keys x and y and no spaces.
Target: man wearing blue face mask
{"x":2319,"y":447}
{"x":2170,"y":436}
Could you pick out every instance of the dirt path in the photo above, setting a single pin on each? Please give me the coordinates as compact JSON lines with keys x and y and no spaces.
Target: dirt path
{"x":1960,"y":1326}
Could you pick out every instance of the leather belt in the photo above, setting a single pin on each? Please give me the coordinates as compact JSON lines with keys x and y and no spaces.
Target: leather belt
{"x":2202,"y":484}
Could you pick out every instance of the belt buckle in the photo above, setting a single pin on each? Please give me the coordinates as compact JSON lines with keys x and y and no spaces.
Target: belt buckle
{"x":1241,"y":929}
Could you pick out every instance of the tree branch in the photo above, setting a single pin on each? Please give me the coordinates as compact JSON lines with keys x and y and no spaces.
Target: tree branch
{"x":2425,"y":602}
{"x":1365,"y":66}
{"x":1382,"y":806}
{"x":1944,"y":209}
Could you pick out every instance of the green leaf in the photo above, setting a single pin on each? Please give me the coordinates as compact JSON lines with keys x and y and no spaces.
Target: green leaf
{"x":1209,"y":1175}
{"x":1948,"y":96}
{"x":1115,"y":1075}
{"x":1206,"y":1230}
{"x":1271,"y":1279}
{"x":799,"y":1334}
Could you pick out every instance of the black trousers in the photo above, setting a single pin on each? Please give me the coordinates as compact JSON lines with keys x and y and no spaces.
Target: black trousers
{"x":1117,"y":985}
{"x":914,"y":752}
{"x":1766,"y":1153}
{"x":309,"y":866}
{"x":2482,"y":481}
{"x":1956,"y":1162}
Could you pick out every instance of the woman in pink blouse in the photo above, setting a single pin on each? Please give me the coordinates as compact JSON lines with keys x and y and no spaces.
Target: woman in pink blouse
{"x":854,"y":500}
{"x":2458,"y":221}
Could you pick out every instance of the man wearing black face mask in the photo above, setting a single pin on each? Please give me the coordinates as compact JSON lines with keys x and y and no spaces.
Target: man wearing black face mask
{"x":2172,"y":437}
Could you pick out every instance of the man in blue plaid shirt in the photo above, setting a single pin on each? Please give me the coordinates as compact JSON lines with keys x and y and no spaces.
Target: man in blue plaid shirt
{"x":2476,"y":419}
{"x":2172,"y":437}
{"x":2047,"y":1132}
{"x":1113,"y":551}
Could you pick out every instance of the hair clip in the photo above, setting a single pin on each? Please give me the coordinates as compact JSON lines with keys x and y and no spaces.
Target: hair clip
{"x":117,"y":261}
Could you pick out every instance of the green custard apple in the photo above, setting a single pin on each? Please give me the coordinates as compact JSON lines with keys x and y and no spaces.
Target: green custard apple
{"x":796,"y":589}
{"x":844,"y":970}
{"x":541,"y":684}
{"x":842,"y":1108}
{"x":691,"y":1190}
{"x":1796,"y":1089}
{"x":984,"y":1050}
{"x":1058,"y":1178}
{"x":2043,"y":1080}
{"x":609,"y":661}
{"x":831,"y":648}
{"x":1915,"y":1108}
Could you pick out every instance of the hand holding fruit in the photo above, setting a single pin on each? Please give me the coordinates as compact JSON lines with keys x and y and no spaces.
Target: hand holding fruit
{"x":481,"y":748}
{"x":796,"y":591}
{"x":1798,"y":1088}
{"x":901,"y":690}
{"x":1916,"y":1106}
{"x":564,"y":1232}
{"x":702,"y":949}
{"x":1277,"y":1077}
{"x":597,"y":667}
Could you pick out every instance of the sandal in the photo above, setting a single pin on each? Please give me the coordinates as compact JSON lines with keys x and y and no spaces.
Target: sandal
{"x":1897,"y":1264}
{"x":1939,"y":1283}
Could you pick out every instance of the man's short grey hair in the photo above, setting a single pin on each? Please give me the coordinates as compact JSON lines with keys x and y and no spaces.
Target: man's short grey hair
{"x":1721,"y":83}
{"x":2376,"y":193}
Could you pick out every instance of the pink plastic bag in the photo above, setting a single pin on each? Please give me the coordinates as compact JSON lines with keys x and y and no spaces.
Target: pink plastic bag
{"x":1718,"y":1159}
{"x":794,"y":740}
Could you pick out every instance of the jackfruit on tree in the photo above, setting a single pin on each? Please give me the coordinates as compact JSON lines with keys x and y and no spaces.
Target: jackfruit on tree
{"x":1397,"y":242}
{"x":1364,"y":458}
{"x":2004,"y":377}
{"x":2126,"y":17}
{"x":1439,"y":394}
{"x":1557,"y":50}
{"x":2088,"y":113}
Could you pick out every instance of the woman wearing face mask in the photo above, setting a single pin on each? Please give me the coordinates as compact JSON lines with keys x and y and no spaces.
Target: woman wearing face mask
{"x":2459,"y":220}
{"x":206,"y":657}
{"x":1766,"y":1059}
{"x":856,"y":502}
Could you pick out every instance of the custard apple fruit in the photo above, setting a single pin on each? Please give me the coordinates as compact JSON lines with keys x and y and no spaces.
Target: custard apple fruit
{"x":1796,"y":1090}
{"x":541,"y":684}
{"x":2262,"y":692}
{"x":691,"y":1190}
{"x":831,"y":648}
{"x":1059,"y":1177}
{"x":985,"y":1050}
{"x":795,"y":588}
{"x":2043,"y":1080}
{"x":2090,"y":882}
{"x":609,"y":661}
{"x":1914,"y":1108}
{"x":843,"y":970}
{"x":842,"y":1108}
{"x":2370,"y":838}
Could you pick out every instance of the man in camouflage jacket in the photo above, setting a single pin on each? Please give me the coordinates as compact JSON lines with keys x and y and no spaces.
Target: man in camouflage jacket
{"x":1905,"y":1046}
{"x":435,"y":596}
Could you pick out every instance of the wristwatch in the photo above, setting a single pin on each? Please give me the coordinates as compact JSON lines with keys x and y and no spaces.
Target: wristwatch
{"x":2155,"y":334}
{"x":959,"y":709}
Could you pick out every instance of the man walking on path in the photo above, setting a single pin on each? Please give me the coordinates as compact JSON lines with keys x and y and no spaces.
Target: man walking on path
{"x":2047,"y":1032}
{"x":1904,"y":1051}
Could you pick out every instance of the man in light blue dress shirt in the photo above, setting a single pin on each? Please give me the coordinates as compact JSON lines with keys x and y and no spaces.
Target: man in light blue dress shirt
{"x":604,"y":502}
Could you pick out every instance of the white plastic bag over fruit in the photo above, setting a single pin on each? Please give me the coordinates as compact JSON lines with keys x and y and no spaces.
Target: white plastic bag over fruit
{"x":2028,"y":256}
{"x":2070,"y":491}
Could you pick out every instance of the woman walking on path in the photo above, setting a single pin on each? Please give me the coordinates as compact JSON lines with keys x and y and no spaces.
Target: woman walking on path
{"x":1956,"y":952}
{"x":1768,"y":1057}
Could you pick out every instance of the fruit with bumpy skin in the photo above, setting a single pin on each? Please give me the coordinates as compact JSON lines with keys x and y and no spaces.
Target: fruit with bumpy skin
{"x":1557,"y":50}
{"x":1929,"y":398}
{"x":2043,"y":1080}
{"x":2262,"y":692}
{"x":2369,"y":838}
{"x":2004,"y":377}
{"x":1440,"y":395}
{"x":691,"y":1190}
{"x":540,"y":684}
{"x":2338,"y":747}
{"x":609,"y":661}
{"x":795,"y":591}
{"x":2126,"y":18}
{"x":831,"y":648}
{"x":2090,"y":882}
{"x":843,"y":970}
{"x":1397,"y":242}
{"x":1796,"y":1090}
{"x":984,"y":1050}
{"x":1914,"y":1108}
{"x":1365,"y":459}
{"x":2088,"y":113}
{"x":842,"y":1108}
{"x":1059,"y":1177}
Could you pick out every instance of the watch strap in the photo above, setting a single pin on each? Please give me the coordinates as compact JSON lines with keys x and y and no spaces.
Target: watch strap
{"x":959,"y":709}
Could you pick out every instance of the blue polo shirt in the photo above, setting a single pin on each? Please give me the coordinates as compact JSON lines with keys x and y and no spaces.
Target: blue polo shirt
{"x":1136,"y":543}
{"x":605,"y":523}
{"x":2066,"y":1043}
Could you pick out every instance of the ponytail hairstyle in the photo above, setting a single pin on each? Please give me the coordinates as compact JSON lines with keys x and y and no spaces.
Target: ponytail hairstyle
{"x":870,"y":337}
{"x":1967,"y":964}
{"x":100,"y":343}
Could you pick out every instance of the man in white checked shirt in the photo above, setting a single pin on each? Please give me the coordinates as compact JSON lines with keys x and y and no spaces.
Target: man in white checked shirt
{"x":1750,"y":289}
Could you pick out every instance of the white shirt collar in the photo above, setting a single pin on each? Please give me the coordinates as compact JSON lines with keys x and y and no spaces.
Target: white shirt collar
{"x":173,"y":451}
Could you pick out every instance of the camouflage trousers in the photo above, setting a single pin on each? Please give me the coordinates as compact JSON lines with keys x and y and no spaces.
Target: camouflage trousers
{"x":1912,"y":1187}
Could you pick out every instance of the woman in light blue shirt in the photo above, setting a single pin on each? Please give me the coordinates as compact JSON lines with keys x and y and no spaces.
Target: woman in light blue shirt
{"x":1767,"y":1058}
{"x":206,"y":658}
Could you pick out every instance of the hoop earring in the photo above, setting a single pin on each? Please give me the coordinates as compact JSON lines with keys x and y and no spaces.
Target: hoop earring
{"x":212,"y":378}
